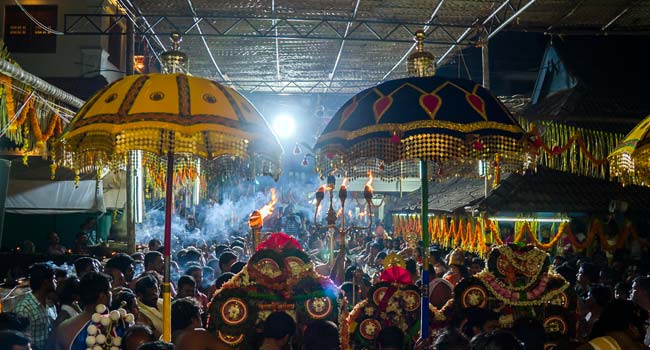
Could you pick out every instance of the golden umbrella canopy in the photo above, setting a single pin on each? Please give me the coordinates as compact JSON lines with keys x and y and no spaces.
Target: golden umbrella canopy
{"x":630,"y":160}
{"x":140,"y":112}
{"x":167,"y":115}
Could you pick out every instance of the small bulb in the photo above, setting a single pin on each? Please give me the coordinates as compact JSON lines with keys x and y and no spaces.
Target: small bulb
{"x":96,"y":317}
{"x":101,"y":339}
{"x":105,"y":321}
{"x":100,"y":308}
{"x":114,"y":315}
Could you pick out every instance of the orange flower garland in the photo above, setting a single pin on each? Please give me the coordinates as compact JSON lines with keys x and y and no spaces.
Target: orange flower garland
{"x":467,"y":233}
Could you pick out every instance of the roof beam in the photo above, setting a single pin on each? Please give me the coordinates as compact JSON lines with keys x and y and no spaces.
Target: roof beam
{"x":205,"y":43}
{"x":347,"y":29}
{"x":259,"y":27}
{"x":425,"y":28}
{"x":578,"y":3}
{"x":619,"y":15}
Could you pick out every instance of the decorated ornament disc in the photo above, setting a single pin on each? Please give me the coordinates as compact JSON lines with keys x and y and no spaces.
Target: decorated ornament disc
{"x":318,"y":308}
{"x":231,"y":340}
{"x":378,"y":295}
{"x":412,"y":300}
{"x":234,"y":311}
{"x":369,"y":328}
{"x":474,"y":296}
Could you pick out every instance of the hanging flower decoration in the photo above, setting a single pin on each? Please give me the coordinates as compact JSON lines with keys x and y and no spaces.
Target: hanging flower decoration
{"x":106,"y":328}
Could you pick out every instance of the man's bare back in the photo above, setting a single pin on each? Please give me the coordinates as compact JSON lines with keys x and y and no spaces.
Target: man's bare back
{"x":198,"y":339}
{"x":68,"y":330}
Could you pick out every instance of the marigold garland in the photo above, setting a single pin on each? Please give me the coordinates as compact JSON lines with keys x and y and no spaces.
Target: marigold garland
{"x":468,"y":233}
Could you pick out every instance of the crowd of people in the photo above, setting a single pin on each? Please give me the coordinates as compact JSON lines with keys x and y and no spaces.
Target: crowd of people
{"x":613,"y":298}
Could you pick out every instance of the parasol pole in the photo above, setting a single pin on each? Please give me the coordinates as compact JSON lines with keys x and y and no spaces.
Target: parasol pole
{"x":424,"y":216}
{"x":167,"y":300}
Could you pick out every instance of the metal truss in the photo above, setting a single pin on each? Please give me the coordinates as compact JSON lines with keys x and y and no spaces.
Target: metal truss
{"x":344,"y":87}
{"x":263,"y":27}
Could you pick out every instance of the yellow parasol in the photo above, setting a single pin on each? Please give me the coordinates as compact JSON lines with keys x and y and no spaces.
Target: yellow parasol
{"x":168,"y":115}
{"x":630,"y":160}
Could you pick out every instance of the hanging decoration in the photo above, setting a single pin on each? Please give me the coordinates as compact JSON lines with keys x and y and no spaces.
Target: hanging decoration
{"x":477,"y":235}
{"x":571,"y":149}
{"x":630,"y":161}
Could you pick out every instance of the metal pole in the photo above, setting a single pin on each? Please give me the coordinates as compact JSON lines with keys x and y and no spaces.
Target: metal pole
{"x":167,"y":300}
{"x":38,"y":84}
{"x":131,"y":188}
{"x":485,"y":55}
{"x":424,"y":215}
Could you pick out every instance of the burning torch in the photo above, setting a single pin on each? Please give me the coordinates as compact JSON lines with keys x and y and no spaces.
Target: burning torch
{"x":256,"y":219}
{"x":343,"y":195}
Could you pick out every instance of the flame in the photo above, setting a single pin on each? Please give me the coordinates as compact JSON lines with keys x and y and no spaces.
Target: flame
{"x":345,"y":182}
{"x":350,"y":213}
{"x":369,"y":183}
{"x":268,"y":208}
{"x":338,"y":213}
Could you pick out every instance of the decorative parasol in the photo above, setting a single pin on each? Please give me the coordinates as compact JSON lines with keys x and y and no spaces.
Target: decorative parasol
{"x":630,"y":160}
{"x":452,"y":122}
{"x":169,"y":115}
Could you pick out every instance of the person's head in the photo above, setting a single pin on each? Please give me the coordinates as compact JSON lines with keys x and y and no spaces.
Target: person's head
{"x":390,"y":338}
{"x":622,"y":316}
{"x":476,"y":266}
{"x":496,"y":340}
{"x":587,"y":274}
{"x":379,"y":259}
{"x":621,"y":291}
{"x":81,"y":239}
{"x":208,"y":274}
{"x":278,"y":328}
{"x":147,"y":290}
{"x":375,"y":248}
{"x":53,"y":238}
{"x":531,"y":332}
{"x":197,"y":273}
{"x":136,"y":336}
{"x":86,"y":264}
{"x":14,"y":340}
{"x":154,"y":245}
{"x":237,"y":267}
{"x":13,"y":321}
{"x":186,"y":312}
{"x":42,"y":278}
{"x":558,"y":260}
{"x":68,"y":291}
{"x":186,"y":287}
{"x":153,"y":261}
{"x":568,"y":272}
{"x":226,"y":260}
{"x":127,"y":300}
{"x":123,"y":263}
{"x":95,"y":289}
{"x":597,"y":297}
{"x":225,"y":277}
{"x":451,"y":339}
{"x":219,"y":249}
{"x":321,"y":335}
{"x":479,"y":321}
{"x":640,"y":293}
{"x":156,"y":345}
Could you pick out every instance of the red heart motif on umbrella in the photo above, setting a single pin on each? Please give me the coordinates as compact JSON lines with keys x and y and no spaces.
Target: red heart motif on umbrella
{"x":347,"y":112}
{"x":431,"y":104}
{"x":381,"y":106}
{"x":477,"y":103}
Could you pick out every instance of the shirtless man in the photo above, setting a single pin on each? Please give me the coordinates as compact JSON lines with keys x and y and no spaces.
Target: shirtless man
{"x":95,"y":289}
{"x":187,"y":329}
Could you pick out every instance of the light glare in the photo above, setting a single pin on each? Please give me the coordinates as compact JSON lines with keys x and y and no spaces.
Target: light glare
{"x":284,"y":126}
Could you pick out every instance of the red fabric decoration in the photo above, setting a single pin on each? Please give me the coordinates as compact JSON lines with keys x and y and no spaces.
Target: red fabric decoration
{"x":431,"y":104}
{"x":556,"y":150}
{"x":381,"y":106}
{"x":396,"y":274}
{"x":537,"y":143}
{"x":329,"y":155}
{"x":279,"y":241}
{"x":395,"y":139}
{"x":478,"y":145}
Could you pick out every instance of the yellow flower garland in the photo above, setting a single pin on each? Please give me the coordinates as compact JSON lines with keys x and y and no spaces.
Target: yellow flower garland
{"x":468,"y":233}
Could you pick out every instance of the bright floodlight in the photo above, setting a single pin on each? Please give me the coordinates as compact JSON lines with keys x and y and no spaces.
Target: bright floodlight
{"x":284,"y":126}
